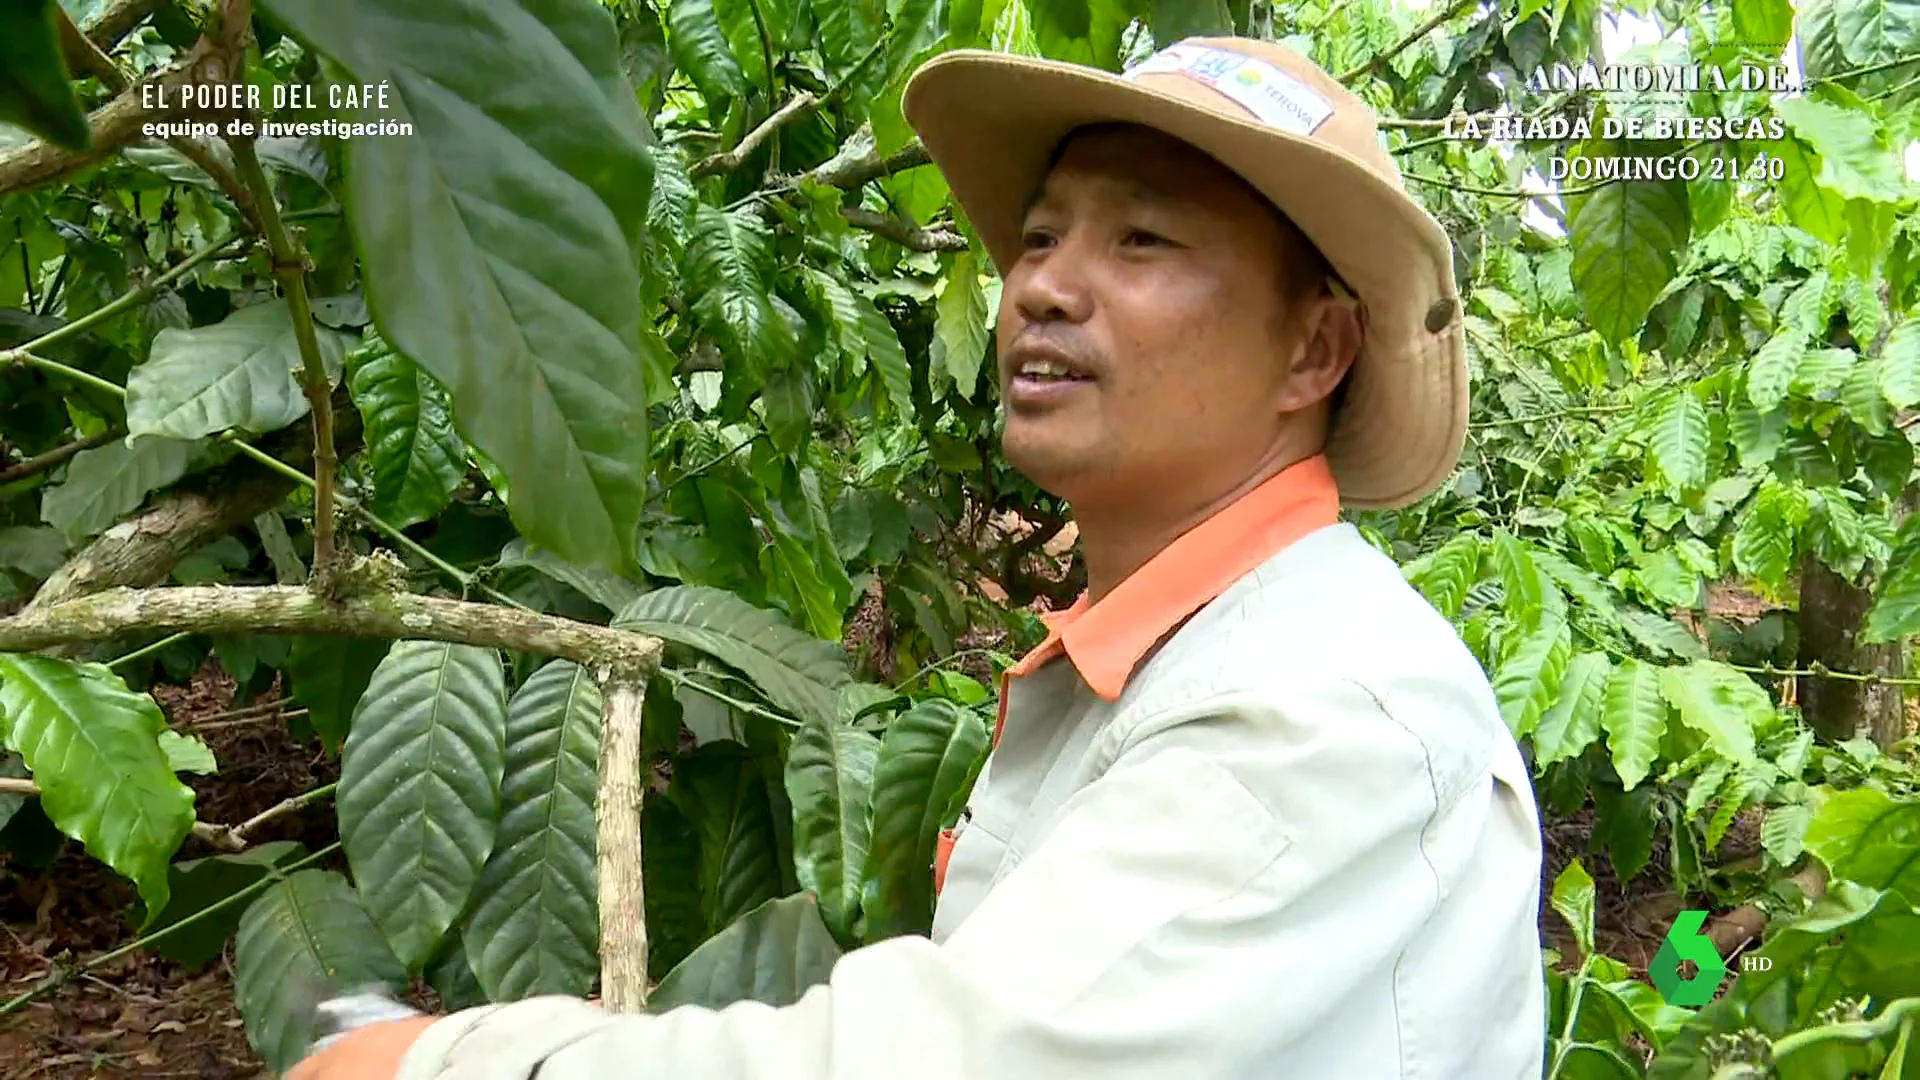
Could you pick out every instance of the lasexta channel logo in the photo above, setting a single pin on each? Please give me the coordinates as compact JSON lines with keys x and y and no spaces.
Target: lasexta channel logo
{"x":1686,"y":942}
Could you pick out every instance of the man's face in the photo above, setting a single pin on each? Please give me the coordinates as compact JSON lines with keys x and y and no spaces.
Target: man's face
{"x":1156,"y":280}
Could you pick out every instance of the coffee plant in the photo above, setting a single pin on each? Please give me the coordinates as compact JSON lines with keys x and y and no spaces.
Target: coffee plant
{"x":585,"y":411}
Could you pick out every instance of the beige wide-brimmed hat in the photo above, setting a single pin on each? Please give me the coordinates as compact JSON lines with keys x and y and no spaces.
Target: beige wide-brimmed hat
{"x":992,"y":122}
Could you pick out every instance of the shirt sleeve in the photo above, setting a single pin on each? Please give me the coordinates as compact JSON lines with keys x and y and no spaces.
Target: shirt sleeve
{"x":1240,"y":869}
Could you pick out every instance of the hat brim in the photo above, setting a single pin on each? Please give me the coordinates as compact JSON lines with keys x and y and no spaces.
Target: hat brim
{"x":991,"y":123}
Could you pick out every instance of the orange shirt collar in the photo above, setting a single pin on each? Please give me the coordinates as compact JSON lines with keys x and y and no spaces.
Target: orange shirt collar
{"x":1106,"y":640}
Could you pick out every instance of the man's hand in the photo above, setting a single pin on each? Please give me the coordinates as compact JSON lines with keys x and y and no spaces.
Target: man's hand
{"x":371,"y":1053}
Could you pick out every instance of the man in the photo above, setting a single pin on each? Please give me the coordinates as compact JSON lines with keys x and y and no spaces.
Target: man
{"x":1251,"y":810}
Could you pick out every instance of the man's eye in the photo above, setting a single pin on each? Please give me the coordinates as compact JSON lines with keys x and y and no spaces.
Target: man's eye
{"x":1036,"y":238}
{"x":1143,"y":238}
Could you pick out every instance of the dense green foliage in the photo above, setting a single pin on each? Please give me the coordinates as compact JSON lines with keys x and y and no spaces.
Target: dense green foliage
{"x":608,"y":342}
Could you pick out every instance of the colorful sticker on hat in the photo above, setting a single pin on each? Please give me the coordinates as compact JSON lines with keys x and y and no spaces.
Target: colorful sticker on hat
{"x":1262,"y":89}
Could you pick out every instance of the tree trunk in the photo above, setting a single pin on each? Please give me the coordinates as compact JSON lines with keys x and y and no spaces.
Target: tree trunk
{"x":1831,"y":611}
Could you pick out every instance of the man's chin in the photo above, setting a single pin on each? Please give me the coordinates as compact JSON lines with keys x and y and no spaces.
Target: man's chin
{"x":1056,"y":466}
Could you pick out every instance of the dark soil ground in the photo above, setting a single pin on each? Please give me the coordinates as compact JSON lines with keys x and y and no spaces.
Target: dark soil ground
{"x":144,"y":1016}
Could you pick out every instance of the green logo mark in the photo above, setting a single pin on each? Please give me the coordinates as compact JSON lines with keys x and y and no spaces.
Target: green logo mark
{"x":1686,"y":942}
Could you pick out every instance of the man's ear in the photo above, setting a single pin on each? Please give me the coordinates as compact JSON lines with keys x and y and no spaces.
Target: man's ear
{"x":1325,"y":352}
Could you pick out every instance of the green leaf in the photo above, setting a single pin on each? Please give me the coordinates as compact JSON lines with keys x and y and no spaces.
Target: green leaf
{"x":1449,"y":572}
{"x":1572,"y":897}
{"x":94,"y":749}
{"x":847,"y":31}
{"x":1572,"y":723}
{"x":108,"y":481}
{"x":889,"y":358}
{"x":1770,"y":372}
{"x":960,"y":325}
{"x":1900,"y":365}
{"x":1627,"y":240}
{"x":1678,"y":444}
{"x":34,"y":89}
{"x":1822,"y":371}
{"x":1080,"y":31}
{"x":772,"y":955}
{"x":499,"y":241}
{"x":1809,"y":306}
{"x":1529,"y":674}
{"x":12,"y":768}
{"x":1811,"y":206}
{"x":241,"y":372}
{"x":304,"y":939}
{"x":700,"y":49}
{"x":1868,"y":31}
{"x":1861,"y":303}
{"x":1763,"y":23}
{"x":730,"y":256}
{"x":1659,"y":635}
{"x":609,"y":590}
{"x":1763,"y":543}
{"x":1635,"y":717}
{"x":35,"y":551}
{"x":328,"y":676}
{"x":741,"y":21}
{"x":534,"y":927}
{"x":420,"y":788}
{"x":1866,"y":836}
{"x":1175,"y":20}
{"x":1783,"y":832}
{"x":830,"y":781}
{"x":1531,"y":597}
{"x":1896,"y":606}
{"x":1718,"y":702}
{"x":796,"y":671}
{"x":187,"y":753}
{"x":416,"y":456}
{"x":1668,"y":580}
{"x":928,"y":760}
{"x":451,"y":976}
{"x":1860,"y":396}
{"x":1855,"y":160}
{"x":722,"y":791}
{"x":194,"y":885}
{"x":915,"y":28}
{"x":1757,"y":434}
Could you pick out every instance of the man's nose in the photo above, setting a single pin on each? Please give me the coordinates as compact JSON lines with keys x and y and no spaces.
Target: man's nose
{"x":1053,"y":284}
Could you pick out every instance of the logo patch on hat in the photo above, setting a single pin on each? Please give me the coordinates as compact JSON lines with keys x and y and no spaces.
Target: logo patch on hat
{"x":1270,"y":94}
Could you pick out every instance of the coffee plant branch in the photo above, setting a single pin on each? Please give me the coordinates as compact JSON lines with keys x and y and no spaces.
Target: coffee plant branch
{"x":907,"y":236}
{"x":124,"y":301}
{"x":223,"y":175}
{"x":729,"y":160}
{"x":86,"y":58}
{"x":848,"y":175}
{"x":63,"y":974}
{"x":24,"y":355}
{"x":117,"y":20}
{"x":375,"y":611}
{"x":290,"y":266}
{"x":116,"y":123}
{"x":40,"y":463}
{"x":191,"y":515}
{"x":616,"y":814}
{"x":1380,"y":59}
{"x":228,"y":838}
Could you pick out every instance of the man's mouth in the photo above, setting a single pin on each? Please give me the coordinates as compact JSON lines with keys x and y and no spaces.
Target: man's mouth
{"x":1048,"y":371}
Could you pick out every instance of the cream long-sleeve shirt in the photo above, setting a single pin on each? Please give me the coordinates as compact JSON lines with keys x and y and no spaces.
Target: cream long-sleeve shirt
{"x":1253,"y":815}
